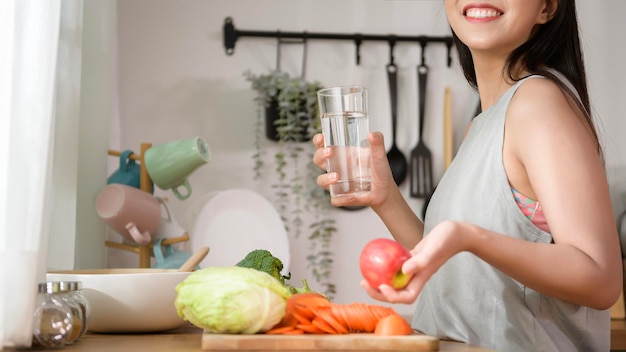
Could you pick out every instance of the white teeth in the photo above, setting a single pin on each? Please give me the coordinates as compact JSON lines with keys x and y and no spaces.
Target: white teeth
{"x":482,"y":13}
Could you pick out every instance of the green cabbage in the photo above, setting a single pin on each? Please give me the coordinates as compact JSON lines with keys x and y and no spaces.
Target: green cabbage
{"x":231,"y":300}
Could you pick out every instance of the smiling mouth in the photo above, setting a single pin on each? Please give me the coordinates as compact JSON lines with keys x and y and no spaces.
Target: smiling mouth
{"x":482,"y":13}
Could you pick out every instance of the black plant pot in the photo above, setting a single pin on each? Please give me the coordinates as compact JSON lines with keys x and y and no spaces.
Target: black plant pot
{"x":272,"y":115}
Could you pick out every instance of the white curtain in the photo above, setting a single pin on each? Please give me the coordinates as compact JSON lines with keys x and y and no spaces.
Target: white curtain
{"x":39,"y":89}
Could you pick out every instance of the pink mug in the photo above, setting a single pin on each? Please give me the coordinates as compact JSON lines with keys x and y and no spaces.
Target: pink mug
{"x":129,"y":211}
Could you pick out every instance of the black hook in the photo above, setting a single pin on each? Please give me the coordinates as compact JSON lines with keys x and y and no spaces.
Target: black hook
{"x":449,"y":46}
{"x":358,"y":39}
{"x":278,"y":45}
{"x":304,"y":52}
{"x":392,"y":44}
{"x":423,"y":45}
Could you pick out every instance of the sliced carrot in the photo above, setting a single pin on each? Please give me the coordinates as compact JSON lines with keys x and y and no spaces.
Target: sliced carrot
{"x":381,"y":311}
{"x":310,"y":329}
{"x":392,"y":325}
{"x":313,"y":313}
{"x":351,"y":323}
{"x":308,"y":299}
{"x":294,"y":332}
{"x":369,"y":320}
{"x":323,"y":325}
{"x":326,"y":314}
{"x":352,"y":315}
{"x":335,"y":310}
{"x":302,"y":316}
{"x":361,"y":317}
{"x":280,"y":330}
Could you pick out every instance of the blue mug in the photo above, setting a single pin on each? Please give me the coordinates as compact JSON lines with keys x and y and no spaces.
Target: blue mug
{"x":167,"y":257}
{"x":129,"y":172}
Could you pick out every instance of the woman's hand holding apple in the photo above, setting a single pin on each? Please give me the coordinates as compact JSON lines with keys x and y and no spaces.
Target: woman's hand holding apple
{"x":444,"y":241}
{"x":381,"y":263}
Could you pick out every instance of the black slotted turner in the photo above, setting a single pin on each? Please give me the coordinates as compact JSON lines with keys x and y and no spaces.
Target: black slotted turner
{"x":421,"y":173}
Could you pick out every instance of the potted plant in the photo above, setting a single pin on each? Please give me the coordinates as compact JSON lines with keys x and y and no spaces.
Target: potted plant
{"x":287,"y":113}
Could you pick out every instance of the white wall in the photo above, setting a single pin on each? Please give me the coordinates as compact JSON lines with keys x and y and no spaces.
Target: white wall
{"x":175,"y":81}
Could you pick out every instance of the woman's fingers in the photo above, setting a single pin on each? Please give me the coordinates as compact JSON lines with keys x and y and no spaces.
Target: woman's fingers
{"x":380,"y":164}
{"x":326,"y":179}
{"x":321,"y":154}
{"x":386,"y":293}
{"x":318,"y":140}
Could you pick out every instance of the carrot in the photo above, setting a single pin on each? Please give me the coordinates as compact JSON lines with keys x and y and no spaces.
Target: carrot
{"x":369,"y":320}
{"x":280,"y":330}
{"x":302,"y":316}
{"x":335,"y":310}
{"x":312,"y":313}
{"x":325,"y":313}
{"x":361,"y":320}
{"x":323,"y":325}
{"x":295,"y":331}
{"x":351,"y":314}
{"x":297,"y":310}
{"x":393,"y":325}
{"x":310,"y":329}
{"x":307,"y":299}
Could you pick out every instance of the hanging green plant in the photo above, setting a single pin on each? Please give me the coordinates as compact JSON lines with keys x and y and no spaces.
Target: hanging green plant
{"x":287,"y":112}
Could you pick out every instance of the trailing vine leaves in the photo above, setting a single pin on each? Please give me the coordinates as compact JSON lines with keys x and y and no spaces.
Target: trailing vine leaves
{"x":320,"y":256}
{"x":298,"y":120}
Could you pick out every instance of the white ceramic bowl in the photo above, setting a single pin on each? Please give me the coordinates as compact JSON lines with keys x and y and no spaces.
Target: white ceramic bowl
{"x":128,"y":300}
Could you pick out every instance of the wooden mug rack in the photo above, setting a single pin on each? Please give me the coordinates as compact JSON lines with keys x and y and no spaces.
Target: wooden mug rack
{"x":145,"y":184}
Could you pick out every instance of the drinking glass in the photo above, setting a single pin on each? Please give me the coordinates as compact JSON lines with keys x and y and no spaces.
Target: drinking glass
{"x":345,"y":125}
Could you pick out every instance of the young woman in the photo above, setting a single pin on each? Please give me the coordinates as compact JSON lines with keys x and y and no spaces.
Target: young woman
{"x":519,"y":250}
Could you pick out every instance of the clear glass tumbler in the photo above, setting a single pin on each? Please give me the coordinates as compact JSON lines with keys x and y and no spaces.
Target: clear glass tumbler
{"x":345,"y":125}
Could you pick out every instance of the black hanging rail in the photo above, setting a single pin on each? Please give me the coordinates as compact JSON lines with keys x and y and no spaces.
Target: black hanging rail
{"x":231,"y":34}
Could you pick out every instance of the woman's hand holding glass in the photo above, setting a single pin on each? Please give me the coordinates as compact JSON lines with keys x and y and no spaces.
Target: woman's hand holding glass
{"x":382,"y":180}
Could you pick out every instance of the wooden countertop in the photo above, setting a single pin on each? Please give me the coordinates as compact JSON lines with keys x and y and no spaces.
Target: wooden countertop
{"x":618,"y":334}
{"x":188,"y":338}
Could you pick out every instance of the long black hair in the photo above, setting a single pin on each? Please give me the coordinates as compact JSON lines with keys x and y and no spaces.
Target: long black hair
{"x":555,"y":45}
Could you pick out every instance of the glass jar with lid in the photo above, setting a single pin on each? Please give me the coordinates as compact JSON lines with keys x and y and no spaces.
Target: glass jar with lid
{"x":52,"y":328}
{"x":53,"y":318}
{"x":76,"y":289}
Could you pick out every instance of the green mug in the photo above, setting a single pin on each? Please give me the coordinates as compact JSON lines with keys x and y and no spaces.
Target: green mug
{"x":170,"y":164}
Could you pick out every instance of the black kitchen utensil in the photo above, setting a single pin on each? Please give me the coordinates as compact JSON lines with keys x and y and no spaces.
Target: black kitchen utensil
{"x":421,"y":161}
{"x":397,"y":160}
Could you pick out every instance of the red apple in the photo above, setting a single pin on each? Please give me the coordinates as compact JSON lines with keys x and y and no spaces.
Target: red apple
{"x":381,"y":263}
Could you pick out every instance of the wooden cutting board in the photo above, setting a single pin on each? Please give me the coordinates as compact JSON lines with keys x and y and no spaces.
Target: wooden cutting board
{"x":318,"y":342}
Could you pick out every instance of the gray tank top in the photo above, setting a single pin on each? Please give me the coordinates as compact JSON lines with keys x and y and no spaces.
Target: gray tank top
{"x":467,"y":299}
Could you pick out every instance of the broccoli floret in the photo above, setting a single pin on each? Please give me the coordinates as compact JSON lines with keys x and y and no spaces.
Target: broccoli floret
{"x":263,"y":260}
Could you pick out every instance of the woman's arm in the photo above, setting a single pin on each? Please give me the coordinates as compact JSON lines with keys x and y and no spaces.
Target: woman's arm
{"x":385,"y":198}
{"x":559,"y":165}
{"x":550,"y":154}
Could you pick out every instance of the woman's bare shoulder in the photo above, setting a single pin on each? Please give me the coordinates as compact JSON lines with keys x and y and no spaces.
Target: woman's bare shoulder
{"x":540,"y":104}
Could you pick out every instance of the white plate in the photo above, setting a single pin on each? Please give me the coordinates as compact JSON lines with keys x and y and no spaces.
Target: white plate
{"x":235,"y":222}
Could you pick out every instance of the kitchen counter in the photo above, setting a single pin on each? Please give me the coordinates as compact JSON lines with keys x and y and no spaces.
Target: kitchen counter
{"x":618,"y":334}
{"x":188,"y":338}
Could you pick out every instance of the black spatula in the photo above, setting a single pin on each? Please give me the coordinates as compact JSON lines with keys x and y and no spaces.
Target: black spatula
{"x":397,"y":161}
{"x":421,"y":161}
